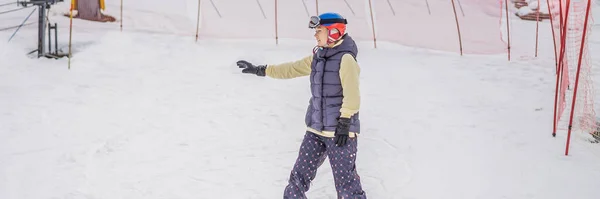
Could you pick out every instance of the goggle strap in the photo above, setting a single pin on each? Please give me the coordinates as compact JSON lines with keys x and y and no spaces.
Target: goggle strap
{"x":328,"y":21}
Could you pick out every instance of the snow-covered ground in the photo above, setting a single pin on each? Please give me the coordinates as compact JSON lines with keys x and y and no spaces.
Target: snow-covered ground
{"x":145,"y":115}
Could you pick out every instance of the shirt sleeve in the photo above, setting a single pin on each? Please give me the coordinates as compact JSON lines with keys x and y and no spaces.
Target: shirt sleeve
{"x":349,"y":76}
{"x":290,"y":70}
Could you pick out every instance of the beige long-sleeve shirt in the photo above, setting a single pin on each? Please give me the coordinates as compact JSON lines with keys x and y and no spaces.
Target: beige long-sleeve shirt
{"x":349,"y":76}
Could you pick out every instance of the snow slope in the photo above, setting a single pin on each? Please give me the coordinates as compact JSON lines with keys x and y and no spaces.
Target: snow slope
{"x":155,"y":115}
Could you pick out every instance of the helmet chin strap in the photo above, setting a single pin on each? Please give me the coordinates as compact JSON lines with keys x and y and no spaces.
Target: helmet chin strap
{"x":331,"y":40}
{"x":317,"y":48}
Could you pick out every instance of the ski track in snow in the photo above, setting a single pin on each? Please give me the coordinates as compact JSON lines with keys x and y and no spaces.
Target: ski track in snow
{"x":168,"y":118}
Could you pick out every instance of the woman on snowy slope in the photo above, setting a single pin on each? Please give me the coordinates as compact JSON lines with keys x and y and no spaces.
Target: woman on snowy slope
{"x":332,"y":115}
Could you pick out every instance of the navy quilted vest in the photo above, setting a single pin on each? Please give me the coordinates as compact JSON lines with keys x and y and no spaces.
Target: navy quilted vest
{"x":326,"y":101}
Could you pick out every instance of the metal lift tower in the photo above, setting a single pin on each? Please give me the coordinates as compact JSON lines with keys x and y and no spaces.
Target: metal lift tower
{"x":43,"y":5}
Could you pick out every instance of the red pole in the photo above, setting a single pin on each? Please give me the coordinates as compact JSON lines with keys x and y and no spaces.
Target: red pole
{"x":537,"y":27}
{"x":373,"y":25}
{"x":560,"y":69}
{"x":507,"y":27}
{"x":560,"y":6}
{"x":276,"y":31}
{"x":553,"y":34}
{"x":564,"y":35}
{"x":585,"y":25}
{"x":561,"y":35}
{"x":457,"y":28}
{"x":198,"y":21}
{"x":556,"y":91}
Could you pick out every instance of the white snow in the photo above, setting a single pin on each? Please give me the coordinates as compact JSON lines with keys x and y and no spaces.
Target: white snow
{"x":524,"y":10}
{"x":543,"y":5}
{"x":533,"y":5}
{"x":156,"y":115}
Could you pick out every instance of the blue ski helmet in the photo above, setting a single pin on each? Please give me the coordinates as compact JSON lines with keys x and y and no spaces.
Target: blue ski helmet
{"x":334,"y":22}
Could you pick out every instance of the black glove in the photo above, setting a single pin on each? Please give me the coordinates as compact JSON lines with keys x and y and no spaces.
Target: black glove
{"x":342,"y":131}
{"x":252,"y":69}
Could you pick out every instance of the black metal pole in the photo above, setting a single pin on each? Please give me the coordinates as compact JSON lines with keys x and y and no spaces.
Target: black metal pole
{"x":41,"y":28}
{"x":55,"y":39}
{"x":49,"y":38}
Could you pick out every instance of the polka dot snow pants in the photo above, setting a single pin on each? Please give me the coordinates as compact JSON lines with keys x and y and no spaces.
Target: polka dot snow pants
{"x":313,"y":151}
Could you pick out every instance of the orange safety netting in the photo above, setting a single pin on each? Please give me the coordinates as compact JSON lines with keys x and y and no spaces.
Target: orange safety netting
{"x":569,"y":24}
